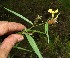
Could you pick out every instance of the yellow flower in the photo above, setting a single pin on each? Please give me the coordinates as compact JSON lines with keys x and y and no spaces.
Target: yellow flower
{"x":52,"y":12}
{"x":56,"y":11}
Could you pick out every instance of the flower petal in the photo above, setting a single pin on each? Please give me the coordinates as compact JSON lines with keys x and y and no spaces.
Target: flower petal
{"x":50,"y":10}
{"x":56,"y":11}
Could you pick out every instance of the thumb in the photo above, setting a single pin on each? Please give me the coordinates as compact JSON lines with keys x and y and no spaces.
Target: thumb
{"x":8,"y":43}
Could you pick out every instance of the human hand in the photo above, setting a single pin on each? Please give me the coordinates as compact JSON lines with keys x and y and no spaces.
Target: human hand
{"x":9,"y":42}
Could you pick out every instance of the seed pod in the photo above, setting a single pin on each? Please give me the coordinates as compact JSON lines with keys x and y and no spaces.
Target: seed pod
{"x":53,"y":21}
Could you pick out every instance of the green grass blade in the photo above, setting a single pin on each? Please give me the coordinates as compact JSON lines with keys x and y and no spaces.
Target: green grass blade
{"x":20,"y":48}
{"x":33,"y":45}
{"x":46,"y":27}
{"x":46,"y":30}
{"x":19,"y":15}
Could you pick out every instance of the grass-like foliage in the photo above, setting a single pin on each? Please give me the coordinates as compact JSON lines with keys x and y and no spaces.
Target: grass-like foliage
{"x":19,"y":15}
{"x":29,"y":31}
{"x":34,"y":46}
{"x":30,"y":39}
{"x":46,"y":30}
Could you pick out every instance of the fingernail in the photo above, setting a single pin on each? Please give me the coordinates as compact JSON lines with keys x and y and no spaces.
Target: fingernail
{"x":20,"y":39}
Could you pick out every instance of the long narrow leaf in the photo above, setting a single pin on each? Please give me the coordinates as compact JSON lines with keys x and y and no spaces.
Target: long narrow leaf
{"x":20,"y":48}
{"x":46,"y":30}
{"x":19,"y":15}
{"x":33,"y":45}
{"x":46,"y":27}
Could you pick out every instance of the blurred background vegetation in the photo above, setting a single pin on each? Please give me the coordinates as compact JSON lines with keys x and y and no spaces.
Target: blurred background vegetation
{"x":59,"y":46}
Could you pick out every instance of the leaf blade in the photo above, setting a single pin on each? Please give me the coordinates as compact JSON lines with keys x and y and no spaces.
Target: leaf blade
{"x":33,"y":45}
{"x":46,"y":27}
{"x":46,"y":30}
{"x":17,"y":14}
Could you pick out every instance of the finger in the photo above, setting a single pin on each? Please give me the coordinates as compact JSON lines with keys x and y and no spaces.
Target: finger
{"x":6,"y":27}
{"x":15,"y":26}
{"x":8,"y":43}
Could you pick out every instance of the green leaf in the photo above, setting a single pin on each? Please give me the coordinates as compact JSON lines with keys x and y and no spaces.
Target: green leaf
{"x":46,"y":30}
{"x":19,"y":15}
{"x":20,"y":48}
{"x":33,"y":45}
{"x":46,"y":27}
